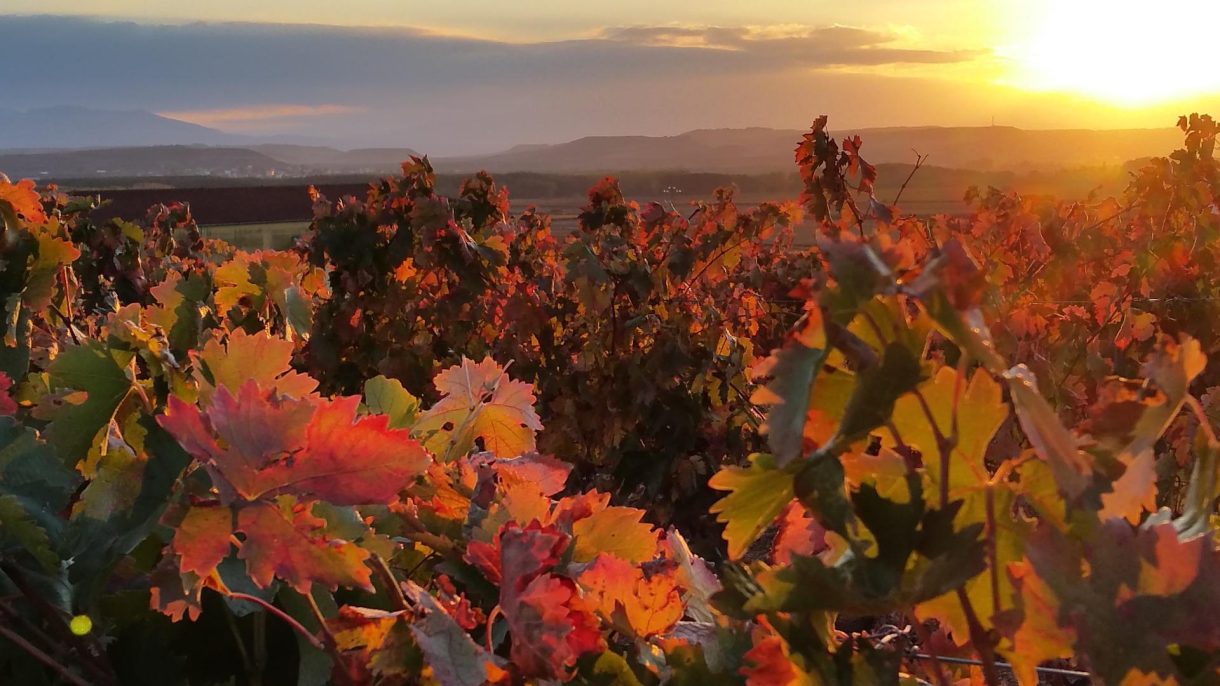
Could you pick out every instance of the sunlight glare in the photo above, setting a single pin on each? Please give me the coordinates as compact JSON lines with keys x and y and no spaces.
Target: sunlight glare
{"x":1129,"y":52}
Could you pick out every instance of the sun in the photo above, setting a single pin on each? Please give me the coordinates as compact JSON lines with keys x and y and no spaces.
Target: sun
{"x":1127,"y":52}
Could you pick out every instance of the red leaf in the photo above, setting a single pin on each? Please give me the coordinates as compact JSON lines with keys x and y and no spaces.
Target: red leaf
{"x":799,"y":534}
{"x":551,"y":627}
{"x":284,"y":540}
{"x":305,"y":447}
{"x":769,"y":662}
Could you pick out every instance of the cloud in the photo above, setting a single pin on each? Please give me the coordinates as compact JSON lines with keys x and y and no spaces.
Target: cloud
{"x":827,"y":46}
{"x":257,"y":114}
{"x":448,"y":94}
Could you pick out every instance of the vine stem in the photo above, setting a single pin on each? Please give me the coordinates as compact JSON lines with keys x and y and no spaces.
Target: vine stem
{"x":89,"y":654}
{"x":34,"y":652}
{"x":252,"y":674}
{"x":284,"y":616}
{"x":491,"y":622}
{"x":392,"y":588}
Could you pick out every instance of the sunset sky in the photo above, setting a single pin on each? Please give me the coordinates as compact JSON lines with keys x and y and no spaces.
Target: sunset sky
{"x":473,"y":76}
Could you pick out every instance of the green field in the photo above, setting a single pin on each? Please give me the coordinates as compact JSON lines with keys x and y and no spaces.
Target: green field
{"x":269,"y":235}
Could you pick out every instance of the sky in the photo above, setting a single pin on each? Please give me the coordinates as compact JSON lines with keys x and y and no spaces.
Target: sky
{"x":453,"y":77}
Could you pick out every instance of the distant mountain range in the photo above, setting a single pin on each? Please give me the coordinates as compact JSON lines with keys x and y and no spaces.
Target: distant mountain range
{"x":761,"y":150}
{"x":73,"y":142}
{"x":81,"y":127}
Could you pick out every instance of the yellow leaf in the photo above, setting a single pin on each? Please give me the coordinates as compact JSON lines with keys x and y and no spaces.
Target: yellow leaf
{"x":757,"y":495}
{"x":479,"y":402}
{"x":617,"y":531}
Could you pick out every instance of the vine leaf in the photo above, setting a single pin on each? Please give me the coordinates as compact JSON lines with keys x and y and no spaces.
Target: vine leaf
{"x":282,"y":539}
{"x":1040,"y":636}
{"x":456,"y":660}
{"x":770,"y":661}
{"x":479,"y":402}
{"x":980,"y":412}
{"x":20,"y":199}
{"x":793,"y":369}
{"x":306,"y":447}
{"x":259,"y":357}
{"x":1134,"y":492}
{"x":94,"y":369}
{"x":616,"y":531}
{"x":380,"y":641}
{"x":202,"y":539}
{"x":639,"y":604}
{"x":19,"y":530}
{"x":551,"y":624}
{"x":387,"y":396}
{"x":1072,"y":468}
{"x":757,"y":495}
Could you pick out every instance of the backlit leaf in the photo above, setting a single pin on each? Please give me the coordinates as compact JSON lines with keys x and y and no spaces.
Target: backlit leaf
{"x":757,"y":495}
{"x":479,"y":402}
{"x":615,"y":531}
{"x":283,"y":540}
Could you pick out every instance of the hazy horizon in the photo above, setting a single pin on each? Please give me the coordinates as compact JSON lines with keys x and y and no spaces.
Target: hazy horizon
{"x":383,"y":74}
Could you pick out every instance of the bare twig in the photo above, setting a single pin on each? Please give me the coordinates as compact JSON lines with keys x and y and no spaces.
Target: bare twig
{"x":919,"y":160}
{"x":34,"y":652}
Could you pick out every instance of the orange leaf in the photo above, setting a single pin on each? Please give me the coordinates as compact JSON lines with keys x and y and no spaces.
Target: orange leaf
{"x":769,"y":662}
{"x":283,"y":540}
{"x":23,"y":198}
{"x":1039,"y":637}
{"x":799,"y":534}
{"x":202,"y":539}
{"x":260,"y":357}
{"x":643,"y":606}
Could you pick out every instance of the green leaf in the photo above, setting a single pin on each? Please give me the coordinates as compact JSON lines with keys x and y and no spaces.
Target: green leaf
{"x":387,"y":396}
{"x":820,"y":488}
{"x":859,"y":274}
{"x":92,"y":368}
{"x":757,"y":495}
{"x":918,"y":556}
{"x":793,"y":368}
{"x":30,"y":468}
{"x":19,"y":531}
{"x":607,"y":669}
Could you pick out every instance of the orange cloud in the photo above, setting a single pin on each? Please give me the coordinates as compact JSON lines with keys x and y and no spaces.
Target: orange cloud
{"x":257,"y":113}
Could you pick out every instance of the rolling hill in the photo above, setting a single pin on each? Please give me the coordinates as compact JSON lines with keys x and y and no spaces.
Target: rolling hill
{"x":150,"y":161}
{"x":761,"y":150}
{"x":81,"y":127}
{"x":724,"y":151}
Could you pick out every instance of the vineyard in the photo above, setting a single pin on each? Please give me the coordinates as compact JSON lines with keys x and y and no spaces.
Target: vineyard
{"x":820,"y":442}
